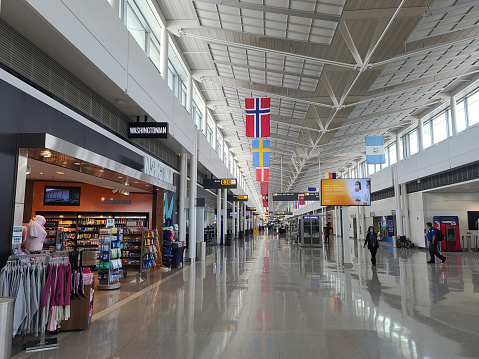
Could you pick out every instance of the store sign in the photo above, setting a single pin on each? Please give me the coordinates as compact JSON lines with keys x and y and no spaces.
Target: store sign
{"x":239,"y":197}
{"x":311,"y":196}
{"x":117,"y":201}
{"x":148,"y":130}
{"x":310,"y":217}
{"x":220,"y":183}
{"x":157,"y":169}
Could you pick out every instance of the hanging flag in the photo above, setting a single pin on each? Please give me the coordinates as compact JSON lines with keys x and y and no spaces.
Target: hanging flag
{"x":264,"y":188}
{"x":262,"y":174}
{"x":265,"y":201}
{"x":257,"y":117}
{"x":260,"y":153}
{"x":301,"y":200}
{"x":328,"y":175}
{"x":375,"y":150}
{"x":295,"y":204}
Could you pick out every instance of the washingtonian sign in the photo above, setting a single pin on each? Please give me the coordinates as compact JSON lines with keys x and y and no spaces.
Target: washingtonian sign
{"x":157,"y":169}
{"x":148,"y":130}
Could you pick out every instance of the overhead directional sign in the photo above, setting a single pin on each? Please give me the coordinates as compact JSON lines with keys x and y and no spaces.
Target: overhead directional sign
{"x":282,"y":213}
{"x":311,"y":196}
{"x":237,"y":197}
{"x":285,"y":196}
{"x":251,"y":209}
{"x":220,"y":183}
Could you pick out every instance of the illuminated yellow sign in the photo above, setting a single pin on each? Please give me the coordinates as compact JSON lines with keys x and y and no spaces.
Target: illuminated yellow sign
{"x":228,"y":182}
{"x":242,"y":196}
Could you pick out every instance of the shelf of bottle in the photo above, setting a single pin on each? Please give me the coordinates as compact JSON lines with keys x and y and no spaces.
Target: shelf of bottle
{"x":131,"y":249}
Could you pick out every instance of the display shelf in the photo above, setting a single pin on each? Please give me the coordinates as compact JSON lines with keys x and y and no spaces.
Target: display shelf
{"x":109,"y":261}
{"x":309,"y":234}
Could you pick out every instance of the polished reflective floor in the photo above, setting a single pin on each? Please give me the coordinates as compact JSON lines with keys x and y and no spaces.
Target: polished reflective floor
{"x":269,"y":298}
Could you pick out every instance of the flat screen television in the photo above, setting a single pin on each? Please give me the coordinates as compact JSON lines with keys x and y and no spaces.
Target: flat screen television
{"x":473,"y":220}
{"x":61,"y":196}
{"x":346,"y":192}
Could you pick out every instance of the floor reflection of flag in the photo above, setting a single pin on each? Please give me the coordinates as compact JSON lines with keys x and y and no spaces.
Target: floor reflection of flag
{"x":263,"y":321}
{"x":263,"y":346}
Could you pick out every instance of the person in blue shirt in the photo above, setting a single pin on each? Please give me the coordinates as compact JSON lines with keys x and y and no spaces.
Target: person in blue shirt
{"x":431,"y":238}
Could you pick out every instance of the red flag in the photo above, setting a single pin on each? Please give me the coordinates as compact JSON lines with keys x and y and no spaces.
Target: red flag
{"x":301,"y":200}
{"x":257,"y":117}
{"x":265,"y":202}
{"x":262,"y":174}
{"x":264,"y":188}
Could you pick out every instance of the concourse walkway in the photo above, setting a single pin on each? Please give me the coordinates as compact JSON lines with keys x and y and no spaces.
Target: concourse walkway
{"x":269,"y":298}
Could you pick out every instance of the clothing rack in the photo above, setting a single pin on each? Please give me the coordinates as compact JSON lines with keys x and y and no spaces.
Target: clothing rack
{"x":55,"y":258}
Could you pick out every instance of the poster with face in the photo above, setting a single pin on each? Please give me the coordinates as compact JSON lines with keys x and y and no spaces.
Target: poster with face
{"x":346,"y":192}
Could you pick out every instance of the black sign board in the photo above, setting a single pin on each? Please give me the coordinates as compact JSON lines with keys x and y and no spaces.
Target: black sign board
{"x":200,"y":202}
{"x":220,"y":183}
{"x":285,"y":196}
{"x":311,"y":196}
{"x":282,"y":213}
{"x":251,"y":209}
{"x":148,"y":130}
{"x":237,"y":197}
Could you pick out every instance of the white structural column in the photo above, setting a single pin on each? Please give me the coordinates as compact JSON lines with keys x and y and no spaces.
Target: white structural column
{"x":405,"y":201}
{"x":193,"y":192}
{"x":398,"y":148}
{"x":182,"y":197}
{"x":225,"y":214}
{"x":218,"y":216}
{"x":233,"y":219}
{"x":164,"y":54}
{"x":420,"y":135}
{"x":453,"y":115}
{"x":345,"y":236}
{"x":397,"y":197}
{"x":238,"y":205}
{"x":116,"y":5}
{"x":189,"y":94}
{"x":204,"y":120}
{"x":244,"y":220}
{"x":21,"y":183}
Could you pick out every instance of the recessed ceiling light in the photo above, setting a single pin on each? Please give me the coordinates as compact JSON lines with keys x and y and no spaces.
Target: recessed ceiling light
{"x":120,"y":177}
{"x":77,"y":163}
{"x":61,"y":173}
{"x":135,"y":182}
{"x":41,"y":173}
{"x":46,"y":153}
{"x":101,"y":170}
{"x":147,"y":185}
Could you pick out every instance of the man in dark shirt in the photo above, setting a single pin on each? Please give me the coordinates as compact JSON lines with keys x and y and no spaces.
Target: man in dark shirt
{"x":431,"y":238}
{"x":326,"y":232}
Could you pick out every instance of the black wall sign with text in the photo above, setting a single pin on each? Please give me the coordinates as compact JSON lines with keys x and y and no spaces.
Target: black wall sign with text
{"x":220,"y":183}
{"x":148,"y":130}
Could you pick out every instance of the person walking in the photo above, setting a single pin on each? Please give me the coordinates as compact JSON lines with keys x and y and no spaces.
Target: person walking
{"x":373,"y":243}
{"x":326,"y":232}
{"x":431,"y":238}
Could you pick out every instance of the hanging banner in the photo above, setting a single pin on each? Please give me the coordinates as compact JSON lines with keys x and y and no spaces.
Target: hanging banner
{"x":260,"y":150}
{"x":262,"y":174}
{"x":264,"y":188}
{"x":257,"y":117}
{"x":301,"y":200}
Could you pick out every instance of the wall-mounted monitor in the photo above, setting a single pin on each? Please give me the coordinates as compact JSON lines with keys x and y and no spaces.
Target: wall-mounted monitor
{"x":346,"y":192}
{"x":473,"y":220}
{"x":61,"y":196}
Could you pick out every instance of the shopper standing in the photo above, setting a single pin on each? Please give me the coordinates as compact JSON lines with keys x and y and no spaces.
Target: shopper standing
{"x":373,"y":243}
{"x":431,"y":238}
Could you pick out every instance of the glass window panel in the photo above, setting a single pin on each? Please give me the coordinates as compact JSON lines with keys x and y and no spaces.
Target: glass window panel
{"x":172,"y":78}
{"x":371,"y":169}
{"x":135,"y":27}
{"x":154,"y":54}
{"x":460,"y":116}
{"x":439,"y":128}
{"x":413,"y":142}
{"x":392,"y":154}
{"x":427,"y":135}
{"x":209,"y":135}
{"x":473,"y":109}
{"x":183,"y":94}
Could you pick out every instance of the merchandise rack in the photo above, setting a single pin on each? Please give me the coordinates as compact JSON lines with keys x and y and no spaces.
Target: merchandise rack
{"x":139,"y":249}
{"x":109,"y":262}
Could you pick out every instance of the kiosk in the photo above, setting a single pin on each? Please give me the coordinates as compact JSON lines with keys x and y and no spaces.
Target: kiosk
{"x":449,"y":225}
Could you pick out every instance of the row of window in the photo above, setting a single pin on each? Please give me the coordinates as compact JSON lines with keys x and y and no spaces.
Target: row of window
{"x":436,"y":129}
{"x":141,"y":32}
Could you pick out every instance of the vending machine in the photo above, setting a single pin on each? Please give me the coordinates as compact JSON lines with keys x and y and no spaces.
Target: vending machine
{"x":449,"y":225}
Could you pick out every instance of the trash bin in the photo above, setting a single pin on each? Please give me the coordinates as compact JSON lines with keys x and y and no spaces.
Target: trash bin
{"x":6,"y":326}
{"x":200,"y":251}
{"x":229,"y":237}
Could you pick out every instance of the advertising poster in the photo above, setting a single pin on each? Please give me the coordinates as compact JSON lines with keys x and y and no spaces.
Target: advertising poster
{"x":386,"y":228}
{"x":346,"y":192}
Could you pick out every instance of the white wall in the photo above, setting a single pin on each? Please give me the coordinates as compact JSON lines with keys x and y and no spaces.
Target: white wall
{"x":417,"y":220}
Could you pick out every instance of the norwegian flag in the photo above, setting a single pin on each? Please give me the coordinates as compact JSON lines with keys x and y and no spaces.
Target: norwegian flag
{"x":262,"y":174}
{"x":264,"y":188}
{"x":257,"y":117}
{"x":265,"y":201}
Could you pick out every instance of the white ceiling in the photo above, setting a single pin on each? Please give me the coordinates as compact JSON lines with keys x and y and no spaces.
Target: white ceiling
{"x":371,"y":68}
